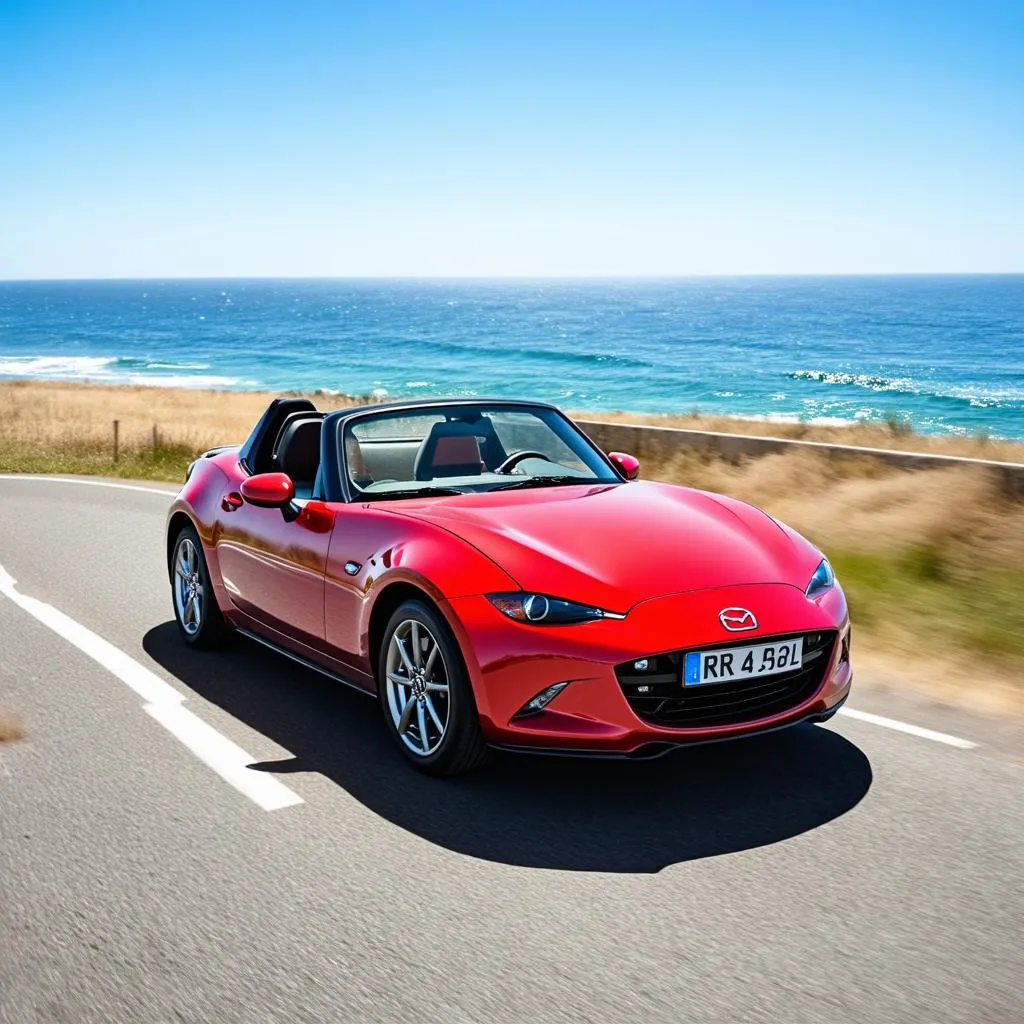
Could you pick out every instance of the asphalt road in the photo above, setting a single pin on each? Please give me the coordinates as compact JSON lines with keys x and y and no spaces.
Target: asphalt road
{"x":840,"y":873}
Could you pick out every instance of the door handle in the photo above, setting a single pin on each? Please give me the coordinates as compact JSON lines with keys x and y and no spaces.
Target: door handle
{"x":231,"y":501}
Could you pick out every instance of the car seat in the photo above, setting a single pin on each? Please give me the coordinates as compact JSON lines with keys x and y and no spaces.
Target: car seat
{"x":458,"y":448}
{"x":298,"y":454}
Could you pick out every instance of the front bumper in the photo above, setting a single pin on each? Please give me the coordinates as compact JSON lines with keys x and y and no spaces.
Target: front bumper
{"x":509,"y":663}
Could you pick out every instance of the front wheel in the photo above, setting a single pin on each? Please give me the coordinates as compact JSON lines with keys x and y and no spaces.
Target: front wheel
{"x":199,"y":620}
{"x":426,"y":695}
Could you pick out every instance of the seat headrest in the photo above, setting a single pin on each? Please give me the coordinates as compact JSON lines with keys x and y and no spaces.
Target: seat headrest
{"x":455,"y":451}
{"x":450,"y":449}
{"x":298,"y":453}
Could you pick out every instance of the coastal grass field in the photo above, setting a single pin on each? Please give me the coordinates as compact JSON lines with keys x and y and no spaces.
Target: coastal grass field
{"x":931,"y":560}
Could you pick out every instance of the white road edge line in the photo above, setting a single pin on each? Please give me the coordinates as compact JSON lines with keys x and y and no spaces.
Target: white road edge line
{"x":912,"y":730}
{"x":163,"y":702}
{"x":85,"y":483}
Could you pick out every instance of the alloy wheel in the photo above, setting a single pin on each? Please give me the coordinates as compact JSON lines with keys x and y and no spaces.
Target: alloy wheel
{"x":417,"y":687}
{"x":188,"y":587}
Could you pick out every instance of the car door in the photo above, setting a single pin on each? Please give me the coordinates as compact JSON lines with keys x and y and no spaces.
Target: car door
{"x":273,"y":568}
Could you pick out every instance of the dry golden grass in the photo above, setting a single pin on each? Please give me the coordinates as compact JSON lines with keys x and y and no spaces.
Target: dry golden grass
{"x":10,"y":728}
{"x":46,"y":414}
{"x":868,"y":507}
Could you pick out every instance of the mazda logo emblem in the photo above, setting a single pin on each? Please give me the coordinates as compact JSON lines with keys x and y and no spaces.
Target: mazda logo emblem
{"x":737,"y":620}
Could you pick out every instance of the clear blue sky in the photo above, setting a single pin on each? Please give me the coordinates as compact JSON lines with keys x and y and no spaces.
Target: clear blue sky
{"x":491,"y":138}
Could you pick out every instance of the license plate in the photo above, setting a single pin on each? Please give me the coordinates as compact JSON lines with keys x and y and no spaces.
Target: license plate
{"x":732,"y":663}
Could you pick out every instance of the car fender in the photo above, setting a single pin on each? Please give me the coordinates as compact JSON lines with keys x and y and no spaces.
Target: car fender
{"x":372,"y":552}
{"x":198,"y":502}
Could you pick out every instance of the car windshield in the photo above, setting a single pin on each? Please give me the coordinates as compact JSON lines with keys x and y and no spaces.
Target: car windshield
{"x":446,"y":450}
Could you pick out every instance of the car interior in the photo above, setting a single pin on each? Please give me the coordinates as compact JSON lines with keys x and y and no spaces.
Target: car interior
{"x":387,"y":452}
{"x":450,"y":448}
{"x":461,"y":448}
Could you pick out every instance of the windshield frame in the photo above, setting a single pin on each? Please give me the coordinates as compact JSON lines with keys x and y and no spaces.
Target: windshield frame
{"x":337,"y":478}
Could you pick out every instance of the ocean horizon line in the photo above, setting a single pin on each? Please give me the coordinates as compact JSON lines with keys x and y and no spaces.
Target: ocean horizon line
{"x":527,"y":278}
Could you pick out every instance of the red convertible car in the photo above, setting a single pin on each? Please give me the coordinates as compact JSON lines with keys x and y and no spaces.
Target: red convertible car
{"x":497,"y":580}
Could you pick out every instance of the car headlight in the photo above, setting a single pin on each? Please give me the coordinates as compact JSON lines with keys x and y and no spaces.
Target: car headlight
{"x":822,"y":579}
{"x":542,"y":610}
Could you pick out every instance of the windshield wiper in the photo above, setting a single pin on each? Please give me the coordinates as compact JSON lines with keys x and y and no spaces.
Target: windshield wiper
{"x":543,"y":481}
{"x":410,"y":492}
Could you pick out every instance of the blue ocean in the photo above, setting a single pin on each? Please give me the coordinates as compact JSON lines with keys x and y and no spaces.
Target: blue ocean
{"x":945,"y":353}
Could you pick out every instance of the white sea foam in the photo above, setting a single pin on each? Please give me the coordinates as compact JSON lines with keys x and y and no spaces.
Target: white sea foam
{"x":177,"y":380}
{"x":60,"y":367}
{"x":177,"y":366}
{"x":979,"y":395}
{"x":870,"y":381}
{"x":116,"y":370}
{"x":780,"y":417}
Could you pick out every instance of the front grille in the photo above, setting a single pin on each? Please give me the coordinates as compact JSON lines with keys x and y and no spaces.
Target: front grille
{"x":656,"y":693}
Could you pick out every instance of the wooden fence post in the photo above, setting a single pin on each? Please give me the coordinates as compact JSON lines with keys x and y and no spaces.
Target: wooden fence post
{"x":117,"y":426}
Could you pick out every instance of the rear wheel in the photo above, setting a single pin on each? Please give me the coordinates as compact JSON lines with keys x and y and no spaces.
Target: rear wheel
{"x":426,"y":695}
{"x":199,"y":620}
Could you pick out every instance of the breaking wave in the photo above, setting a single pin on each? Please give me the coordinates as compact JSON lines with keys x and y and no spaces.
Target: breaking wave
{"x":117,"y":370}
{"x":980,"y":396}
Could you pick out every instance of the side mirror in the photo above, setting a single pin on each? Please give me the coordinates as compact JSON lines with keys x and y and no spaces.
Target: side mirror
{"x":627,"y":465}
{"x":268,"y":490}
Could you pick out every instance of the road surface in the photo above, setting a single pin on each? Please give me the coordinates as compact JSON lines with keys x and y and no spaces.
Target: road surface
{"x":229,"y":838}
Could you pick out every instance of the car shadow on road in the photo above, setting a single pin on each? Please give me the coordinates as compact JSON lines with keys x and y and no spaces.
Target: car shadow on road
{"x":545,"y":812}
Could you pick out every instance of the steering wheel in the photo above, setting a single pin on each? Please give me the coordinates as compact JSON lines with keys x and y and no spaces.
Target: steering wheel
{"x":516,"y":457}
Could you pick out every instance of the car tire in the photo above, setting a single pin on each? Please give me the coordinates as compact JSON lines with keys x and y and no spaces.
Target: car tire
{"x":432,"y":717}
{"x":198,"y":617}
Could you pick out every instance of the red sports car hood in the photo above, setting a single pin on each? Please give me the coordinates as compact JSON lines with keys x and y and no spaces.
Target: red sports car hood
{"x":616,"y":545}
